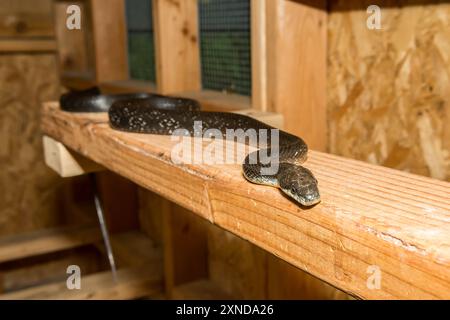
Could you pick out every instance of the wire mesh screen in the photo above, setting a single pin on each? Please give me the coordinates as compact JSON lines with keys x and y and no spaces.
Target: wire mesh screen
{"x":225,"y":45}
{"x":141,"y":49}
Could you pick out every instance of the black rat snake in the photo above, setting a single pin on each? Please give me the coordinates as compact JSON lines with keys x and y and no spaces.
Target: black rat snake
{"x":162,"y":115}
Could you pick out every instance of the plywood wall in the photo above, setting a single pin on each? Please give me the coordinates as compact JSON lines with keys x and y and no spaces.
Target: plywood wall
{"x":389,"y":89}
{"x":28,"y":189}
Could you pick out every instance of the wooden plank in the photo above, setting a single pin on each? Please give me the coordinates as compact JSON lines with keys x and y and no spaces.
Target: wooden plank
{"x":132,"y":283}
{"x":200,"y":290}
{"x":46,"y":241}
{"x":176,"y":45}
{"x":185,"y":247}
{"x":286,"y":282}
{"x":65,"y":162}
{"x":218,"y":101}
{"x":259,"y":54}
{"x":75,"y":48}
{"x":29,"y":45}
{"x":370,"y":217}
{"x":296,"y":70}
{"x":109,"y":37}
{"x":26,"y":19}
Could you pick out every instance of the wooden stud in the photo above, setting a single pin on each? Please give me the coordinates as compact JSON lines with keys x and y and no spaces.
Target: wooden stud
{"x":119,"y":200}
{"x":75,"y":47}
{"x":30,"y":45}
{"x":185,"y":247}
{"x":259,"y":54}
{"x":296,"y":67}
{"x":176,"y":46}
{"x":109,"y":36}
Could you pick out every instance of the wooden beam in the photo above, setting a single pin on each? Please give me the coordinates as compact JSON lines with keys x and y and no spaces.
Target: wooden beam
{"x":296,"y":67}
{"x":132,"y":283}
{"x":46,"y":241}
{"x":259,"y":54}
{"x":371,"y":219}
{"x":109,"y":38}
{"x":65,"y":162}
{"x":176,"y":46}
{"x":28,"y":45}
{"x":119,"y":201}
{"x":75,"y":47}
{"x":185,"y":247}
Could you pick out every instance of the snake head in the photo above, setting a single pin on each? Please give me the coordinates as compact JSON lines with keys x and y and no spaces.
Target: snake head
{"x":300,"y":184}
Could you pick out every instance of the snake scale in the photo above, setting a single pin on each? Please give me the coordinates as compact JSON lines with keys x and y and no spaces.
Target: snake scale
{"x":162,"y":115}
{"x":147,"y":116}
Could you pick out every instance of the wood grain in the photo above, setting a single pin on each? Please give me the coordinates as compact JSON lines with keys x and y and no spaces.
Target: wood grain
{"x":200,"y":290}
{"x":132,"y":283}
{"x":75,"y":47}
{"x":296,"y":68}
{"x":176,"y":45}
{"x":369,"y":215}
{"x":26,"y":19}
{"x":109,"y":39}
{"x":29,"y":45}
{"x":389,"y":89}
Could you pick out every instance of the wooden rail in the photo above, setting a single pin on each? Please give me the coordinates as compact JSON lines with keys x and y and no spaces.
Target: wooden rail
{"x":378,"y":233}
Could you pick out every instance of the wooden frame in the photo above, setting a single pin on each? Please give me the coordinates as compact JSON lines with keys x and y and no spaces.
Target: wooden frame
{"x":100,"y":44}
{"x":288,"y":77}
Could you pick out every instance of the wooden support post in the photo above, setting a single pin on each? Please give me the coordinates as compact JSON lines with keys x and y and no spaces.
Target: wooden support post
{"x":110,"y":40}
{"x":185,"y":247}
{"x":177,"y":46}
{"x":178,"y":70}
{"x":290,"y":66}
{"x":66,"y":162}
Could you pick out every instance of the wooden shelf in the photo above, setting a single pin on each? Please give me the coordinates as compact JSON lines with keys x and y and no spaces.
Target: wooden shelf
{"x":369,"y":215}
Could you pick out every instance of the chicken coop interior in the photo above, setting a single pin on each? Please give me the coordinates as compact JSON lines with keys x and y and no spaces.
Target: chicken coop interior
{"x":371,"y":102}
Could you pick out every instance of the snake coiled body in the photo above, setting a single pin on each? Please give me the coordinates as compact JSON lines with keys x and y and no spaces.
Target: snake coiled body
{"x":155,"y":117}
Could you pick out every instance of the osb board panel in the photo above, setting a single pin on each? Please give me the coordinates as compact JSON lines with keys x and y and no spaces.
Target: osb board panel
{"x":28,"y":189}
{"x":389,"y":89}
{"x":26,"y":18}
